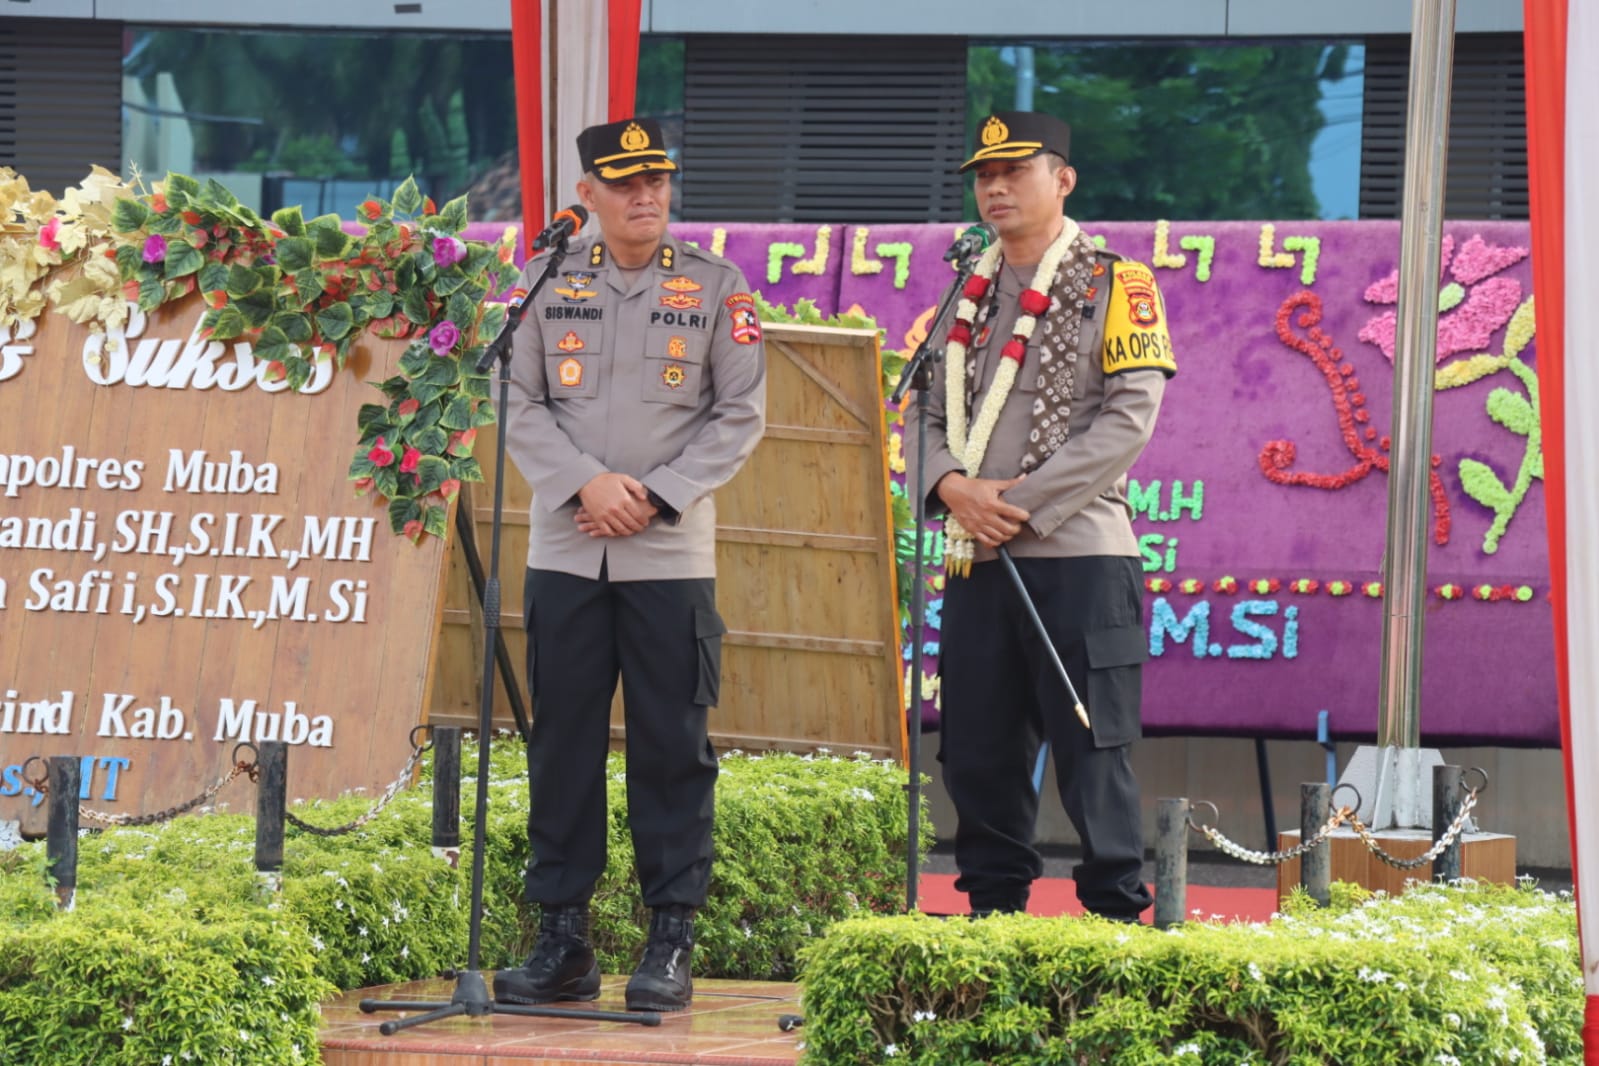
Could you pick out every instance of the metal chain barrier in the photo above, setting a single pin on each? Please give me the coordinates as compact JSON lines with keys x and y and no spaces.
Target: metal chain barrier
{"x":1340,"y":816}
{"x":394,"y":789}
{"x":250,"y":769}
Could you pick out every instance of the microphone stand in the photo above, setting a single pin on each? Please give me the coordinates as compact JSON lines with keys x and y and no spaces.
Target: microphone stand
{"x":471,"y":996}
{"x":918,"y":375}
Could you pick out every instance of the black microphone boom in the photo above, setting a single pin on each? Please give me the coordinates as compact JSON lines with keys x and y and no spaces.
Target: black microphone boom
{"x":974,"y":241}
{"x":563,"y":225}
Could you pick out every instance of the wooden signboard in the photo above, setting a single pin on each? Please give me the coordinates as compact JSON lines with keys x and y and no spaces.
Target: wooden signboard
{"x":805,"y":567}
{"x":184,"y":566}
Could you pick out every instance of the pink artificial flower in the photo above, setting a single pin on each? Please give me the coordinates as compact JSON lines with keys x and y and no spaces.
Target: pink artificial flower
{"x":447,"y":251}
{"x":408,"y":463}
{"x":380,"y":454}
{"x":443,"y":338}
{"x":48,"y":234}
{"x":155,"y":248}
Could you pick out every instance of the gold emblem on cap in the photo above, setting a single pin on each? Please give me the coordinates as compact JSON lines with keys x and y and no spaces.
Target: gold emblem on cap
{"x":995,"y":132}
{"x":634,"y":138}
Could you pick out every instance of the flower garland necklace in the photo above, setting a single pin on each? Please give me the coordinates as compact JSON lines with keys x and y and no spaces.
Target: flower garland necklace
{"x":960,"y":546}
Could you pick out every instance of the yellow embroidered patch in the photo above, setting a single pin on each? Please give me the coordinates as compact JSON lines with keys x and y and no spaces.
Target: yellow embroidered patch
{"x":1135,"y":324}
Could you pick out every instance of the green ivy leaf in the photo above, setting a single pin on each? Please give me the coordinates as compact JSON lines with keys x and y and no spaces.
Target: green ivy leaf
{"x":442,"y":372}
{"x":296,"y":327}
{"x":425,"y":392}
{"x":394,"y":388}
{"x":214,"y":277}
{"x":290,"y":220}
{"x":453,"y":217}
{"x":431,"y":441}
{"x":361,"y":466}
{"x":458,"y":415}
{"x":182,"y":259}
{"x":415,"y":306}
{"x":151,"y":293}
{"x":331,"y":242}
{"x":380,"y":304}
{"x":230,"y":323}
{"x":477,"y":386}
{"x":242,"y":281}
{"x":493,"y":320}
{"x":466,"y":469}
{"x":462,"y":311}
{"x":299,"y":371}
{"x":449,"y":283}
{"x":294,"y":254}
{"x":372,"y":416}
{"x":436,"y":521}
{"x":415,"y":360}
{"x":128,"y":215}
{"x":335,"y":321}
{"x":217,"y":193}
{"x":387,"y":481}
{"x":257,"y":308}
{"x":407,"y":199}
{"x":483,"y":415}
{"x":180,"y":189}
{"x":433,"y":471}
{"x":402,"y":511}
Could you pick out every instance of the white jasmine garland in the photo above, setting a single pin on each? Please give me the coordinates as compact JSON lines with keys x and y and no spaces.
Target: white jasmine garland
{"x":959,"y":544}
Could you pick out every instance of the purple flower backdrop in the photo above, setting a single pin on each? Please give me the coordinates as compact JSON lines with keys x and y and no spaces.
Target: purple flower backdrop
{"x":1262,"y":499}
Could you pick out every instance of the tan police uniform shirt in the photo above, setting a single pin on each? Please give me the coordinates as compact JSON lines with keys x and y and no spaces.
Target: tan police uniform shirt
{"x":662,"y":378}
{"x":1078,"y":496}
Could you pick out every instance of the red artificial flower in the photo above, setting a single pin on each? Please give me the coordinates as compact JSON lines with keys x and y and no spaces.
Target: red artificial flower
{"x":1034,"y":302}
{"x":1015,"y":349}
{"x":380,"y":454}
{"x":371,"y":209}
{"x":960,"y":333}
{"x":412,"y":457}
{"x":191,"y":217}
{"x":450,"y":489}
{"x":975,"y":289}
{"x":409,"y":407}
{"x":158,"y":203}
{"x":413,"y":530}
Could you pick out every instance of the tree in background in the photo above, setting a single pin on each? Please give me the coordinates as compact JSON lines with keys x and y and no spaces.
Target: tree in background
{"x":1184,"y":132}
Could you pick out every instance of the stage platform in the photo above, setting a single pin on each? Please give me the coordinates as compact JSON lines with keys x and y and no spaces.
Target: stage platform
{"x":732,"y":1023}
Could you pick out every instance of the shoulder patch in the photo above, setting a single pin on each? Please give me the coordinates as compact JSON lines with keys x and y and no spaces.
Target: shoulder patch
{"x":1136,"y":337}
{"x":744,"y":323}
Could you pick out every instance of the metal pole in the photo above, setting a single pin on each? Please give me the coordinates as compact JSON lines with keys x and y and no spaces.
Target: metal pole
{"x":1432,"y":37}
{"x":1171,"y":862}
{"x":447,"y":793}
{"x":1315,"y":865}
{"x":1446,"y":804}
{"x":271,"y":803}
{"x":61,"y":831}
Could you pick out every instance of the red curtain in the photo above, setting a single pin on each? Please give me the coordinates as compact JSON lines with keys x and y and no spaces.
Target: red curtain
{"x":527,"y":44}
{"x":622,"y":22}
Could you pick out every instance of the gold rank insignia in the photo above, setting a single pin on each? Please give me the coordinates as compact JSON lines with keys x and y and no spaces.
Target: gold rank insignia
{"x":681,"y":283}
{"x":579,"y":287}
{"x":677,"y":347}
{"x":1135,"y":324}
{"x":673,"y":376}
{"x":634,"y":138}
{"x":570,"y":343}
{"x":570,"y":373}
{"x":597,"y":254}
{"x":667,"y":253}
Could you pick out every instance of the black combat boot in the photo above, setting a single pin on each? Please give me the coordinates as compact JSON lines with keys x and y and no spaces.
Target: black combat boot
{"x":662,"y":981}
{"x":562,"y":965}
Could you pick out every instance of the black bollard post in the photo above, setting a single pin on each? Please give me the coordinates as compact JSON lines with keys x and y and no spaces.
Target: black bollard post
{"x":447,"y":794}
{"x":1446,"y":803}
{"x":1315,"y":865}
{"x":1171,"y":862}
{"x":270,"y":805}
{"x":61,"y":831}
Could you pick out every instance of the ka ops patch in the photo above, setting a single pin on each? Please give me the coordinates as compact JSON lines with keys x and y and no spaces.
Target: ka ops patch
{"x":1135,"y":324}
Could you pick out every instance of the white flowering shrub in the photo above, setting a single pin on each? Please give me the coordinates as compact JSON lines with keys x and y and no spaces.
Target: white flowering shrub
{"x":1465,"y":975}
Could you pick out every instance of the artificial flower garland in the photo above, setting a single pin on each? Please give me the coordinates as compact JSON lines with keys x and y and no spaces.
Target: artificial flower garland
{"x":960,"y":549}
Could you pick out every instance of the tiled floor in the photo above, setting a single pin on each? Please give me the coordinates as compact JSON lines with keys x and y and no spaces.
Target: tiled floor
{"x":732,"y":1023}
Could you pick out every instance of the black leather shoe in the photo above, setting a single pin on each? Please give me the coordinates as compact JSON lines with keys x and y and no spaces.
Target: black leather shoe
{"x":662,"y":981}
{"x":562,"y":965}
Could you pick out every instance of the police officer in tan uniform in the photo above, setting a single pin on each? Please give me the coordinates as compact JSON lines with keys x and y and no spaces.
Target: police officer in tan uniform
{"x":1053,"y":376}
{"x":639,"y":383}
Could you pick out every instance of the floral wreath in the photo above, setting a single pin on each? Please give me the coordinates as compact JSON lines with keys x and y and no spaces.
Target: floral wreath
{"x":299,"y":291}
{"x":960,"y":548}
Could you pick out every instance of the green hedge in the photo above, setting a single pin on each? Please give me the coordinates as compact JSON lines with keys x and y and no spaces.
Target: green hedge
{"x":1441,"y":976}
{"x":173,"y":947}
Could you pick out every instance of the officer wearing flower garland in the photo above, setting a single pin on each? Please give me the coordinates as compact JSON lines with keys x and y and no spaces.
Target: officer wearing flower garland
{"x":639,"y":387}
{"x":1052,"y":380}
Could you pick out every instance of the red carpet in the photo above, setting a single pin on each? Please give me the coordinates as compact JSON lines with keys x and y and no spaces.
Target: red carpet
{"x":1057,"y":895}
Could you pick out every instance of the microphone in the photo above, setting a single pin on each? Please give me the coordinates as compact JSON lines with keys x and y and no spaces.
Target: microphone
{"x":563,"y":225}
{"x":973,"y":242}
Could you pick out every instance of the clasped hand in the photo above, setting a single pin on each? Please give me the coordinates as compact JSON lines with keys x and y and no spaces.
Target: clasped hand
{"x":976,"y":504}
{"x":614,"y":505}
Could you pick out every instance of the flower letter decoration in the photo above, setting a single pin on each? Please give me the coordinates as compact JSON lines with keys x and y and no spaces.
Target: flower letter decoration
{"x":1304,"y":309}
